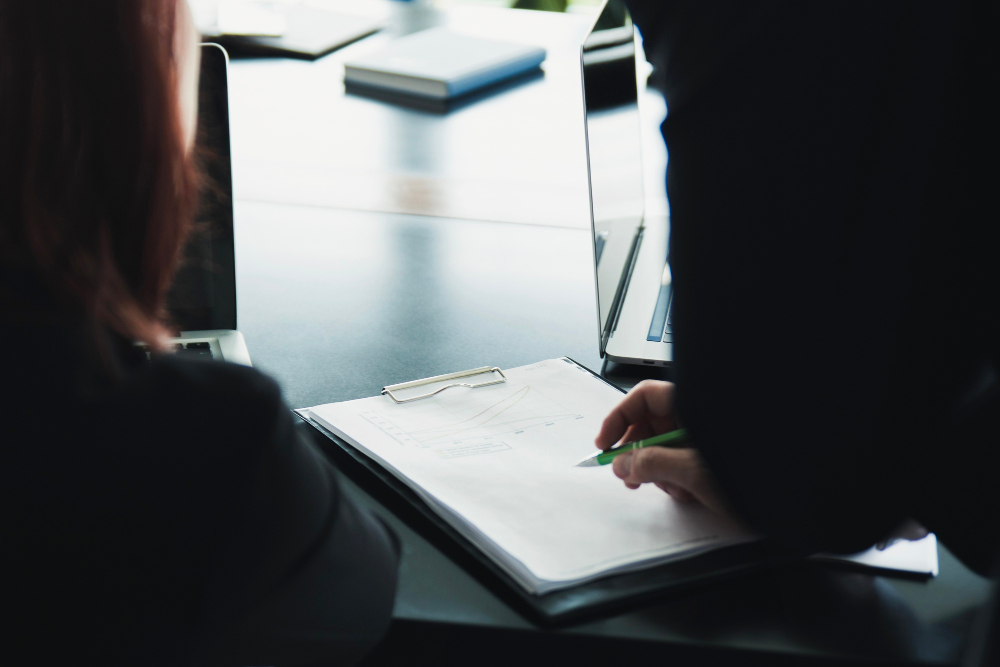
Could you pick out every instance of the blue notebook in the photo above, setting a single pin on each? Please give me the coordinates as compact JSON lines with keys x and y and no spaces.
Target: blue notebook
{"x":441,"y":64}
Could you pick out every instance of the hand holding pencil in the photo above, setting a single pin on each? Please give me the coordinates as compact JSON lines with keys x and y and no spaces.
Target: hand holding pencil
{"x":647,"y":411}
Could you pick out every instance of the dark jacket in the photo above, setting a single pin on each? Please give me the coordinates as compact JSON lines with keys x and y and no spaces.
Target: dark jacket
{"x":834,"y":243}
{"x":168,"y":513}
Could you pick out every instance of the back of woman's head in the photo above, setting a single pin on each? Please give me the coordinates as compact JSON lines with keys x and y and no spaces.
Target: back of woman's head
{"x":96,"y":186}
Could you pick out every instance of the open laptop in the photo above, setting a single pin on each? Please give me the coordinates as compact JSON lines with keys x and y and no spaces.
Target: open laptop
{"x":630,"y":248}
{"x":202,"y":300}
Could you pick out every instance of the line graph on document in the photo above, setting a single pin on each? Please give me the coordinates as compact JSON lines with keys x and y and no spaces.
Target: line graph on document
{"x":450,"y":421}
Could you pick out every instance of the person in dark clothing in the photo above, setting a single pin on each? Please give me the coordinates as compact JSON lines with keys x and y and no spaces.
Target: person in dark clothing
{"x":834,"y":242}
{"x":159,"y":511}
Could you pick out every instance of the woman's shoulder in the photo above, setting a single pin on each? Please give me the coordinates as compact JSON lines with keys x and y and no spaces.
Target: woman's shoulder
{"x":209,"y":394}
{"x":218,"y":380}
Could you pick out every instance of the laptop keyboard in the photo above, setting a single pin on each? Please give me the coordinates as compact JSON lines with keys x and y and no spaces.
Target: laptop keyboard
{"x":195,"y":350}
{"x":660,"y":329}
{"x":201,"y":350}
{"x":668,"y":331}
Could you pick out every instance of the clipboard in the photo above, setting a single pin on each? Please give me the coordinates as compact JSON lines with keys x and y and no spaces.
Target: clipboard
{"x":484,"y":376}
{"x":599,"y":598}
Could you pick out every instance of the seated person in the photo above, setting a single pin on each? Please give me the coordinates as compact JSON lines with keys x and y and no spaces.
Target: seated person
{"x":834,"y":245}
{"x":153,"y":512}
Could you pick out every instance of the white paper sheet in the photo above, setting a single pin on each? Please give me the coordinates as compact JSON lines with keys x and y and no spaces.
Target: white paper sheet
{"x":497,"y":463}
{"x":916,"y":556}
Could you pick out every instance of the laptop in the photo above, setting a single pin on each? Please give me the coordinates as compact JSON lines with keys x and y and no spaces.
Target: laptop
{"x":202,"y":300}
{"x":630,"y":248}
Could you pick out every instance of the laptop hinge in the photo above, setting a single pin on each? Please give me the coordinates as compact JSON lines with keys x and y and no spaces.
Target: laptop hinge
{"x":616,"y":304}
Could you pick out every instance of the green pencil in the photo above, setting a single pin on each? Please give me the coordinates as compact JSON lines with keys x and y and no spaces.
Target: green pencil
{"x":678,"y":438}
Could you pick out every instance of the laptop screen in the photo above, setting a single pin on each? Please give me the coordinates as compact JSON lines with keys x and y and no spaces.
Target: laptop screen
{"x":613,"y":154}
{"x":203,"y":295}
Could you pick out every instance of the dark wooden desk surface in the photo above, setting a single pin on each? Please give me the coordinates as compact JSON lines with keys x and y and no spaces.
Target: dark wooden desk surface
{"x":377,"y":245}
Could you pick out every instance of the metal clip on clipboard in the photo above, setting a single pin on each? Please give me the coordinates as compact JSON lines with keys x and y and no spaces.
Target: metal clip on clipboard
{"x":402,"y":386}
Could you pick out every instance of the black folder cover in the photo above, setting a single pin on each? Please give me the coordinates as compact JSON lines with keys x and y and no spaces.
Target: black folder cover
{"x":557,"y":608}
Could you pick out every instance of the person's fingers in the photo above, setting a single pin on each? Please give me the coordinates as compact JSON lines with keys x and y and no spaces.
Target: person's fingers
{"x":649,"y":400}
{"x":907,"y":530}
{"x":638,"y":432}
{"x":658,"y":464}
{"x":622,"y":465}
{"x":911,"y":530}
{"x":677,"y":493}
{"x":679,"y":470}
{"x":637,"y":468}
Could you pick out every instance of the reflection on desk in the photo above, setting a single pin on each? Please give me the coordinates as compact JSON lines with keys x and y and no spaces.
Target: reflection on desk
{"x":517,"y":156}
{"x":337,"y":304}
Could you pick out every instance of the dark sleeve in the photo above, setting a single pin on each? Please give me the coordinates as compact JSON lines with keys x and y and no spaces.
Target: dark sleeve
{"x":801,"y":140}
{"x":302,"y":573}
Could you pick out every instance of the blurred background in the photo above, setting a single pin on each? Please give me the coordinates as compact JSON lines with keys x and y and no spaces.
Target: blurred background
{"x":518,"y":156}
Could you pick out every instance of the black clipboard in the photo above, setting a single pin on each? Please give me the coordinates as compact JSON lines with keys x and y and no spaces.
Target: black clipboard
{"x":598,"y":598}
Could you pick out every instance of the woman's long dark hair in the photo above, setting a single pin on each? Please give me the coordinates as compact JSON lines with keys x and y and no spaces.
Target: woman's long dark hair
{"x":97,"y":193}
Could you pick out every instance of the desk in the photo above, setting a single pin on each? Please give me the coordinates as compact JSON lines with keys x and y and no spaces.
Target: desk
{"x":516,"y":157}
{"x":335,"y":303}
{"x":298,"y":138}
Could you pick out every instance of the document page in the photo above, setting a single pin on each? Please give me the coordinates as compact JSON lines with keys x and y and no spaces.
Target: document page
{"x":914,"y":556}
{"x":498,"y":463}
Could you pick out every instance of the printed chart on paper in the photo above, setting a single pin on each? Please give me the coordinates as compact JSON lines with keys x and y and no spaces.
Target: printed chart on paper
{"x":469,"y":424}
